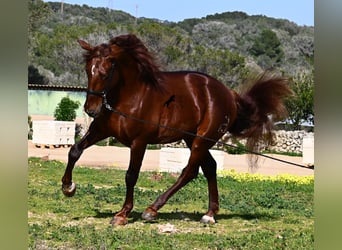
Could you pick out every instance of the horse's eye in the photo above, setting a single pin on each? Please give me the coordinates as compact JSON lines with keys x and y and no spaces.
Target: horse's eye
{"x":105,"y":76}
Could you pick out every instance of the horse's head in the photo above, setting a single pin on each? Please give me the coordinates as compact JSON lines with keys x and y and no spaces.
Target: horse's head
{"x":100,"y":68}
{"x":124,"y":60}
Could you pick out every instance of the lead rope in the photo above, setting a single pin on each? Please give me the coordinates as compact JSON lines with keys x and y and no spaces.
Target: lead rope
{"x":110,"y":108}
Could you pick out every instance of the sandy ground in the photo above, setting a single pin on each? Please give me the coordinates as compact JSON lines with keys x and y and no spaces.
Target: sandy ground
{"x":118,"y":157}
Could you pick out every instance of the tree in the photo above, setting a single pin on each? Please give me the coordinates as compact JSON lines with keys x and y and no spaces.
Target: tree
{"x":301,"y":106}
{"x":267,"y":46}
{"x":38,"y":13}
{"x":66,"y":110}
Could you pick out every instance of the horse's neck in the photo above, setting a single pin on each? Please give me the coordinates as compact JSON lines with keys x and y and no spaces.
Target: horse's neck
{"x":130,"y":76}
{"x":132,"y":88}
{"x":129,"y":91}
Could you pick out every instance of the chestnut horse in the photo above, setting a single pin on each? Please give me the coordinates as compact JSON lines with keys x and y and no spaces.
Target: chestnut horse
{"x":130,"y":98}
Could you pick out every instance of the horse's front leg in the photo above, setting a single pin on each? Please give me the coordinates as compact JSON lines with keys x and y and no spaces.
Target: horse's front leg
{"x":90,"y":138}
{"x":132,"y":174}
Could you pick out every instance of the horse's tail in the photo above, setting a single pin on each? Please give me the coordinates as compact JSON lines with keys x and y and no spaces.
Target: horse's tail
{"x":257,"y":108}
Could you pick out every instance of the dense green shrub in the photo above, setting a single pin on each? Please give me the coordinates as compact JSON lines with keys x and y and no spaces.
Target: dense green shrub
{"x":66,"y":110}
{"x":300,"y":106}
{"x":268,"y":46}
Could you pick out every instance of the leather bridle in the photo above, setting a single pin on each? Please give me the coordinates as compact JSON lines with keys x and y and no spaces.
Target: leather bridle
{"x":103,"y":93}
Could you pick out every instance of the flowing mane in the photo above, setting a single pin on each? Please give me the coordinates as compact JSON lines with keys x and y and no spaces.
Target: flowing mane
{"x":147,"y":66}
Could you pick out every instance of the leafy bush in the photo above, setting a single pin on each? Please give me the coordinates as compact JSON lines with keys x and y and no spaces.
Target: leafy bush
{"x":301,"y":105}
{"x":66,"y":110}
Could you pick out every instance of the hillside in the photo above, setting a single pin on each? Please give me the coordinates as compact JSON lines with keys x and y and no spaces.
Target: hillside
{"x":227,"y":46}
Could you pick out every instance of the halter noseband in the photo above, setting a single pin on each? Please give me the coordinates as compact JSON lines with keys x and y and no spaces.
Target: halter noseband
{"x":97,"y":93}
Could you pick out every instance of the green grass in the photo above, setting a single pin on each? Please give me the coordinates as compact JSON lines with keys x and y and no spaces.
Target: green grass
{"x":256,"y":213}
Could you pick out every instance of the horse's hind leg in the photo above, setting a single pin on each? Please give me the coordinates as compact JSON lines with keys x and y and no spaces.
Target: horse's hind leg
{"x":190,"y":172}
{"x":68,"y":187}
{"x":208,"y":166}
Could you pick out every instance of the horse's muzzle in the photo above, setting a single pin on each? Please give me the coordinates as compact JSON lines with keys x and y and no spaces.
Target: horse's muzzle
{"x":93,"y":109}
{"x":92,"y":113}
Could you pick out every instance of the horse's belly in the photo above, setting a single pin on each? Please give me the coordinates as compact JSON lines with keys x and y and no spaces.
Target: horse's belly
{"x":175,"y":123}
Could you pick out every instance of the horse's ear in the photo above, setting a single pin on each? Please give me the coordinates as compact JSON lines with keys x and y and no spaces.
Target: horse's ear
{"x":85,"y":45}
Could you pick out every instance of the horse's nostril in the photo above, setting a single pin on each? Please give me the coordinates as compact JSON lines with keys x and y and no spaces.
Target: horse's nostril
{"x":91,"y":113}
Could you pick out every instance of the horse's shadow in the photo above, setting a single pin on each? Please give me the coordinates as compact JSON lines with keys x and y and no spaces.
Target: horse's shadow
{"x":183,"y":216}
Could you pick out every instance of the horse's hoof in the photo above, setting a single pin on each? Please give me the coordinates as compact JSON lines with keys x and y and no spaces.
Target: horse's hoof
{"x":149,"y":214}
{"x":208,"y":219}
{"x":118,"y":221}
{"x":69,"y":190}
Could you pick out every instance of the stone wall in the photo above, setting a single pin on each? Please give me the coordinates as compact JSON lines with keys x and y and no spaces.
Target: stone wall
{"x":285,"y":141}
{"x":290,"y":141}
